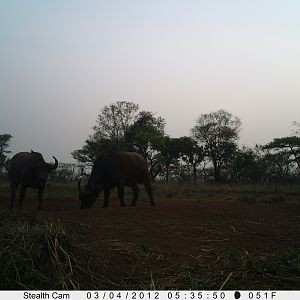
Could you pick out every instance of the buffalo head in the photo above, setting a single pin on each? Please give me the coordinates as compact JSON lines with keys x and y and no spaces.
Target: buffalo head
{"x":88,"y":194}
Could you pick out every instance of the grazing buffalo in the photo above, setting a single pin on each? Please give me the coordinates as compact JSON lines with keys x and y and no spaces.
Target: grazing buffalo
{"x":118,"y":169}
{"x":29,"y":170}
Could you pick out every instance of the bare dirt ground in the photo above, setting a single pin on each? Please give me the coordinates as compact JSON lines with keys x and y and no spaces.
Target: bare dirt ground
{"x":179,"y":238}
{"x":194,"y":243}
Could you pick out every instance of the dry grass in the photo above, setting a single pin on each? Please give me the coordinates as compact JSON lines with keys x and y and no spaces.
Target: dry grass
{"x":37,"y":254}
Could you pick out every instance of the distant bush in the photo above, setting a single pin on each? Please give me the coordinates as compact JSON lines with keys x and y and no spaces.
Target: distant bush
{"x":66,"y":172}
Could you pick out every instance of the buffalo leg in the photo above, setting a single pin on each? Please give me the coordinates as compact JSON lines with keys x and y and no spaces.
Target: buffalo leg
{"x":121,"y":192}
{"x":136,"y":192}
{"x":106,"y":197}
{"x":149,"y":192}
{"x":22,"y":196}
{"x":40,"y":199}
{"x":12,"y":195}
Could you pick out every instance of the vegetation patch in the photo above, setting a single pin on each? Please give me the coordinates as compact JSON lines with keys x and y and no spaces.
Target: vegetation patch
{"x":280,"y":270}
{"x":37,"y":254}
{"x":239,"y":271}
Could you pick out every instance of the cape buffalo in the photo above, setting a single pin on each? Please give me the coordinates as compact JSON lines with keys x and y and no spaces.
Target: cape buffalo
{"x":29,"y":170}
{"x":118,"y":169}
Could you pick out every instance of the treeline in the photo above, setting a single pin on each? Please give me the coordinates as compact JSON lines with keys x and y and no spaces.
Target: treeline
{"x":210,"y":153}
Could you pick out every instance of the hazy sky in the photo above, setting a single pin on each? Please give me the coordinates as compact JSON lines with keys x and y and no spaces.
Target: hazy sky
{"x":62,"y":61}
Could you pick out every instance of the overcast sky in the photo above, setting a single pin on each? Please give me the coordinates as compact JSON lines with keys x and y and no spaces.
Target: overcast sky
{"x":62,"y":61}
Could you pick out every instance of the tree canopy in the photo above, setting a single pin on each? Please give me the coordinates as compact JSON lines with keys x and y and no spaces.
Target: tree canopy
{"x":218,"y":133}
{"x":289,"y":146}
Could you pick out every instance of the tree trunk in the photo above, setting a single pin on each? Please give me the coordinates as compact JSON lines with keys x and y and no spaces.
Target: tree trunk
{"x":195,"y":173}
{"x":167,"y":174}
{"x":216,"y":172}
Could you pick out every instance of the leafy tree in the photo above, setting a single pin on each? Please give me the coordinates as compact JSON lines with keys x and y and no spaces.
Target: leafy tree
{"x":114,"y":120}
{"x":290,"y":146}
{"x":191,"y":154}
{"x":276,"y":167}
{"x":146,"y":137}
{"x":4,"y":144}
{"x":244,"y":166}
{"x":112,"y":123}
{"x":146,"y":130}
{"x":169,"y":153}
{"x":218,"y":133}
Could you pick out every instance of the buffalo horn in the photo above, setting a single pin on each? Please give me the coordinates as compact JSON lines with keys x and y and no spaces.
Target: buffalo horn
{"x":53,"y":166}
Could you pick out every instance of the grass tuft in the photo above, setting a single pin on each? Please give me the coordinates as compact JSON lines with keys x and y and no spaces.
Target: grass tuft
{"x":37,"y":254}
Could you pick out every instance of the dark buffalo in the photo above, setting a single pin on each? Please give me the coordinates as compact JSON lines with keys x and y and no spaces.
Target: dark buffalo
{"x":29,"y":170}
{"x":116,"y":169}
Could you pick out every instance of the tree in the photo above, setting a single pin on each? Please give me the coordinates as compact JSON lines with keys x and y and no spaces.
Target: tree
{"x":112,"y":123}
{"x":4,"y":144}
{"x":218,"y":133}
{"x":289,"y":145}
{"x":276,"y":167}
{"x":244,"y":166}
{"x":146,"y":137}
{"x":191,"y":153}
{"x":114,"y":120}
{"x":169,"y":155}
